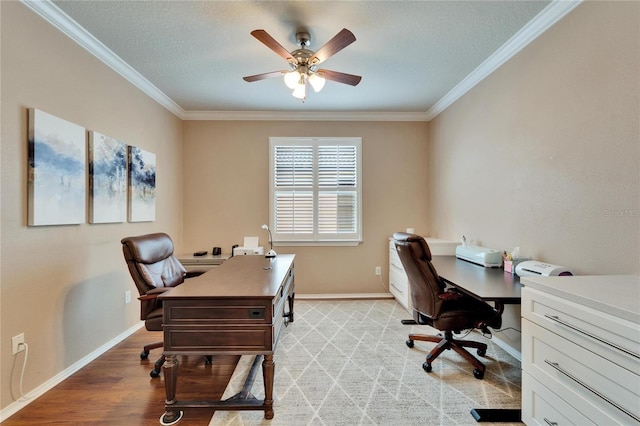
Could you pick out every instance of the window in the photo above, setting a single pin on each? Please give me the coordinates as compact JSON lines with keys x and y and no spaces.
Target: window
{"x":315,"y":190}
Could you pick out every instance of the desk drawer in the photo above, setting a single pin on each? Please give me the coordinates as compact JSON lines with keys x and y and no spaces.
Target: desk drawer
{"x":542,"y":407}
{"x":239,"y":311}
{"x":212,"y":340}
{"x":602,"y":391}
{"x":592,"y":329}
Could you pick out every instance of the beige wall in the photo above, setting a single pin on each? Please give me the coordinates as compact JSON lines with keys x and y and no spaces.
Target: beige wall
{"x":226,"y":194}
{"x":63,"y":286}
{"x":544,"y":153}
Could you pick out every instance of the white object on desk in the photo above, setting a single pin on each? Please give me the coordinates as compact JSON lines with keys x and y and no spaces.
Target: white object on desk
{"x":533,"y":268}
{"x":250,"y":242}
{"x":201,"y":263}
{"x":483,"y":256}
{"x":580,"y":350}
{"x":243,"y":251}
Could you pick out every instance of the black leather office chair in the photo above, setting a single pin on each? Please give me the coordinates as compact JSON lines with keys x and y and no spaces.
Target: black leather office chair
{"x":442,"y":308}
{"x":154,"y":270}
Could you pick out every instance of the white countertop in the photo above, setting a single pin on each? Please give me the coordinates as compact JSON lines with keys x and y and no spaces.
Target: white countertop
{"x":617,"y":295}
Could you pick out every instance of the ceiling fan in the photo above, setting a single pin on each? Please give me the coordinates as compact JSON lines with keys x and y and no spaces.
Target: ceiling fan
{"x":304,"y":62}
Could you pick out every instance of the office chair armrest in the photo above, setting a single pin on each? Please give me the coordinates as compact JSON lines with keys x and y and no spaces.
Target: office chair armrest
{"x":153,"y":294}
{"x":450,"y":295}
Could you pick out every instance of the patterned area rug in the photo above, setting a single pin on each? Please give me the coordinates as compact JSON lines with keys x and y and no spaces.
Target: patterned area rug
{"x":346,"y":363}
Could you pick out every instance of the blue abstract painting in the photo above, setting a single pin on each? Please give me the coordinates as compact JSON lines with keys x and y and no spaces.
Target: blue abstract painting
{"x":57,"y":171}
{"x":142,"y":185}
{"x":107,"y":179}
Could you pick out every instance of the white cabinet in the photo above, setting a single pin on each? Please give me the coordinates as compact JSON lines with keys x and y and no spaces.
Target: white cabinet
{"x":398,"y":281}
{"x":581,"y":350}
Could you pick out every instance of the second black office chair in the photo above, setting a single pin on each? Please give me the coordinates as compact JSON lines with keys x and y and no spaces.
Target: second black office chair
{"x":442,"y":308}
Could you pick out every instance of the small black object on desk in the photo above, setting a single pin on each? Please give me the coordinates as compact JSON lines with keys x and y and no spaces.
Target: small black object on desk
{"x":200,"y":253}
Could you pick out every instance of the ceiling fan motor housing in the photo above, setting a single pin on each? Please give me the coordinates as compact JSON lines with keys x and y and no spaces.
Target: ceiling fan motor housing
{"x":303,"y":39}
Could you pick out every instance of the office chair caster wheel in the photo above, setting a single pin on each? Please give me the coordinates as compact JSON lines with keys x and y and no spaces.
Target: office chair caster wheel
{"x":482,"y":352}
{"x":208,"y":359}
{"x":478,"y":374}
{"x":144,"y":355}
{"x":426,"y":367}
{"x":410,"y":343}
{"x":154,"y":374}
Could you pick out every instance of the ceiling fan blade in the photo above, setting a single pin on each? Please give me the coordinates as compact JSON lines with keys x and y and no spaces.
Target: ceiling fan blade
{"x":340,"y":77}
{"x":272,"y":44}
{"x":333,"y":46}
{"x":266,"y":75}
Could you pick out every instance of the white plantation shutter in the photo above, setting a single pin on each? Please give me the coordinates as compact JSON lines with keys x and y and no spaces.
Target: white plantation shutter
{"x":315,"y":189}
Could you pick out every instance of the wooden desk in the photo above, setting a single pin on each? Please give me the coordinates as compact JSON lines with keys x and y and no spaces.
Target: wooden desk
{"x":238,"y":308}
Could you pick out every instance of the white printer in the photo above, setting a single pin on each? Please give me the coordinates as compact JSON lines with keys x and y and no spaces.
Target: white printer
{"x":243,"y":251}
{"x":533,"y":268}
{"x":483,"y":256}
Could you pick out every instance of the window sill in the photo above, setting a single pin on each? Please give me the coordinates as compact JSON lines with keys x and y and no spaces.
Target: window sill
{"x":317,"y":243}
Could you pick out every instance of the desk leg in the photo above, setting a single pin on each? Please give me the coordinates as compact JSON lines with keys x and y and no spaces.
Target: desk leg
{"x":170,"y":370}
{"x":291,"y":306}
{"x":268,"y":367}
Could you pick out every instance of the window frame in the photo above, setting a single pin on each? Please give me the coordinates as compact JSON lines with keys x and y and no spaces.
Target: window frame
{"x":315,"y":238}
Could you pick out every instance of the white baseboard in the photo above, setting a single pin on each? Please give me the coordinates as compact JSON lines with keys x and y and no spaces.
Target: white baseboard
{"x":507,"y":348}
{"x":18,"y":405}
{"x":332,"y":296}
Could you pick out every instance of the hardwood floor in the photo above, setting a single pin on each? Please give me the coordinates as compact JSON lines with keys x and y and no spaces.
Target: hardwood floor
{"x":116,"y":389}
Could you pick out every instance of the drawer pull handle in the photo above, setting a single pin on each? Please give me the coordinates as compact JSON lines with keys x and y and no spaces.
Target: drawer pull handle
{"x":586,"y":333}
{"x":557,"y":367}
{"x":549,"y":422}
{"x":397,"y":267}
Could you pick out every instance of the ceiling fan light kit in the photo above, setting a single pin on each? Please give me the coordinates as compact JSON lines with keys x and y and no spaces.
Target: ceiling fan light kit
{"x":304,"y":62}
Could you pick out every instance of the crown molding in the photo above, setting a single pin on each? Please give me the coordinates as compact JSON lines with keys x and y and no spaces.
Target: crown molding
{"x":63,"y":22}
{"x":304,"y":116}
{"x":555,"y":11}
{"x":544,"y":20}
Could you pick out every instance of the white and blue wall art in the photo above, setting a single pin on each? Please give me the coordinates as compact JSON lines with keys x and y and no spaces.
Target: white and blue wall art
{"x":57,"y":171}
{"x":107,"y":179}
{"x":142,"y":185}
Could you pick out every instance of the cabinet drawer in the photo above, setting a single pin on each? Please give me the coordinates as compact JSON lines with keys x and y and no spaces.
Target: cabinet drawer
{"x":398,"y":283}
{"x":394,"y":259}
{"x":592,"y":329}
{"x":540,"y":406}
{"x":213,"y":340}
{"x":240,"y":311}
{"x":601,"y":390}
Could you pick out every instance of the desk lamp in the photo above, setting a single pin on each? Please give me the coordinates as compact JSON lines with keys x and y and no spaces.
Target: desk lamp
{"x":270,"y":253}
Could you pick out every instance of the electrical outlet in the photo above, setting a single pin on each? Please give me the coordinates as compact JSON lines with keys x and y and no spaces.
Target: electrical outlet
{"x":127,"y":297}
{"x":378,"y":271}
{"x":17,"y":343}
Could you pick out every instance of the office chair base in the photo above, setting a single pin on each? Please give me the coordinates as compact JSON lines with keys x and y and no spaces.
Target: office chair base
{"x":157,"y":368}
{"x":448,"y":342}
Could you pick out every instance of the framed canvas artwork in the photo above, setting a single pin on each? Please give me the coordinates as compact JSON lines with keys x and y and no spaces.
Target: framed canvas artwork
{"x":142,"y":185}
{"x":57,"y":171}
{"x":107,"y":179}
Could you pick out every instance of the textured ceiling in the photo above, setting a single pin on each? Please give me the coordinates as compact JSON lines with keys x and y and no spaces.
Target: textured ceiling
{"x":409,"y":53}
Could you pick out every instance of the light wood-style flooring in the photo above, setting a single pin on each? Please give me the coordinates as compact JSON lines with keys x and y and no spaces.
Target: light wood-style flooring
{"x":116,"y":389}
